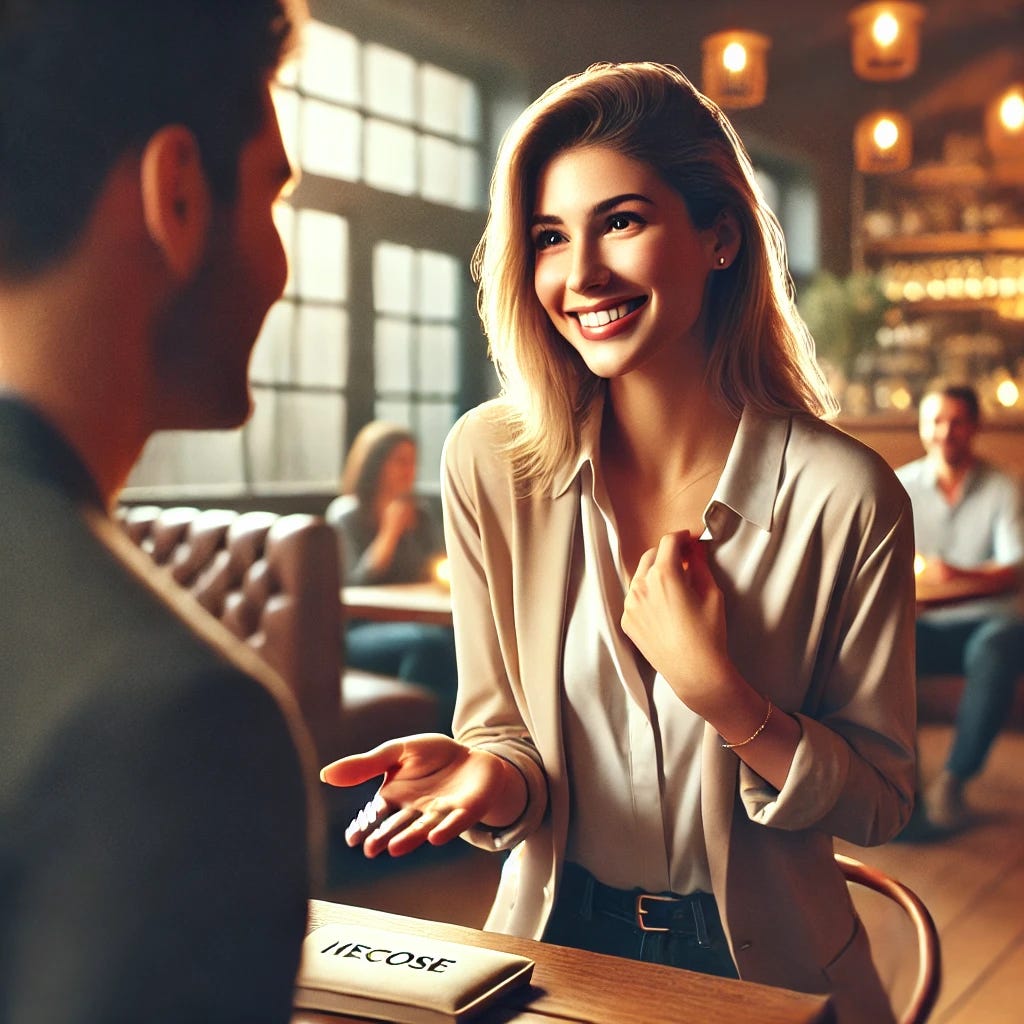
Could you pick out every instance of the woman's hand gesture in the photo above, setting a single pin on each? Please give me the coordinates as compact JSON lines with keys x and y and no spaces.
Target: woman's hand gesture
{"x":675,"y":615}
{"x":433,"y":790}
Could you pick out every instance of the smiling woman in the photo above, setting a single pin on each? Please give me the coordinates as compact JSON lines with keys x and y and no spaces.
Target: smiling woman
{"x":683,"y":604}
{"x":611,"y":237}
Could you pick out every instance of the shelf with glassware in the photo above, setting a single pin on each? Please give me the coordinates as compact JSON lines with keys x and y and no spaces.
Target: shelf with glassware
{"x":943,"y":244}
{"x":946,"y":236}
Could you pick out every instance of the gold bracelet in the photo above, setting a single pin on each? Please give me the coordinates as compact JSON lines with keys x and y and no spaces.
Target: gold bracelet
{"x":757,"y":732}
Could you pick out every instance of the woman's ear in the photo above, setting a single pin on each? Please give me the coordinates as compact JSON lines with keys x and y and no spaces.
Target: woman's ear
{"x":725,"y":239}
{"x":176,"y":199}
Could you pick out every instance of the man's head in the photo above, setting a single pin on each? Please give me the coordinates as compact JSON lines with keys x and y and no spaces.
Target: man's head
{"x":84,"y":81}
{"x":138,"y":136}
{"x":949,"y":419}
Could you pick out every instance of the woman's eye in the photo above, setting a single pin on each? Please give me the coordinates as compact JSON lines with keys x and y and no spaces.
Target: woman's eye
{"x":546,"y":239}
{"x":621,"y":221}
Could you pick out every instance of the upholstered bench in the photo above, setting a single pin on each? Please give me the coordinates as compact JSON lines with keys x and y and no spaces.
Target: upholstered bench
{"x":274,"y":582}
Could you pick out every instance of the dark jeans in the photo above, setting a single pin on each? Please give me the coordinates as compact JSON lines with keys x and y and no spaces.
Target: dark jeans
{"x":413,"y":651}
{"x":590,"y":916}
{"x":990,"y":655}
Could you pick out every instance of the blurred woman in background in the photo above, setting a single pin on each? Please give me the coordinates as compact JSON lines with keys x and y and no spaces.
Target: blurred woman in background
{"x":387,"y":535}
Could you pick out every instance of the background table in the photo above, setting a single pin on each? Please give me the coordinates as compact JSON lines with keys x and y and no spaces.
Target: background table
{"x":399,"y":602}
{"x":573,"y":985}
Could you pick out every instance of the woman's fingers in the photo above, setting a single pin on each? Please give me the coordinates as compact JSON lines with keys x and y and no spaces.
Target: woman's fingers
{"x":358,"y":768}
{"x":366,"y":820}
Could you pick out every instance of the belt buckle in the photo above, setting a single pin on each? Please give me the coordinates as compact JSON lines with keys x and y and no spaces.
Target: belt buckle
{"x":641,"y":910}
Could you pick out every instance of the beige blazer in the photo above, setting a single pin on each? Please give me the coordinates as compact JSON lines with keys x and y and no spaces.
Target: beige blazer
{"x":812,"y":544}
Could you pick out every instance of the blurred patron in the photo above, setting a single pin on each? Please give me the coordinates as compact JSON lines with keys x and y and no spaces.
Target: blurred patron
{"x":386,"y":535}
{"x":969,"y":534}
{"x":155,"y":817}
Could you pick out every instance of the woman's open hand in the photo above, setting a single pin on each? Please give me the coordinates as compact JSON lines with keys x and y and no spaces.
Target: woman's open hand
{"x":675,"y":615}
{"x":433,"y":789}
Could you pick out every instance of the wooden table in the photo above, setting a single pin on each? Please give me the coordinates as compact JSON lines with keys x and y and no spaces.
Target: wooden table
{"x":573,"y":985}
{"x":399,"y":602}
{"x":939,"y":593}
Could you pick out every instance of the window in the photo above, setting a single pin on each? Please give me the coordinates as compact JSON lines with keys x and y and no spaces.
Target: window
{"x":416,"y":335}
{"x":374,"y":321}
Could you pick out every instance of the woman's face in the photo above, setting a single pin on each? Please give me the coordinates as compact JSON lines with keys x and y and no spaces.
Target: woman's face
{"x":619,"y":266}
{"x":398,"y":474}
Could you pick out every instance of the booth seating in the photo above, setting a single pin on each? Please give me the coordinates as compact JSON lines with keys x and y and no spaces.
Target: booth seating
{"x":273,"y":580}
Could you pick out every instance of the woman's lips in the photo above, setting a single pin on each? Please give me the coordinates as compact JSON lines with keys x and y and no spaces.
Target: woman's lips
{"x":602,"y":323}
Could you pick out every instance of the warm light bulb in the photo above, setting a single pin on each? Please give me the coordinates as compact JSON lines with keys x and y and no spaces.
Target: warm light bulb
{"x":919,"y":564}
{"x":885,"y":29}
{"x":442,"y":571}
{"x":886,"y":133}
{"x":734,"y":57}
{"x":900,"y":398}
{"x":1011,"y":110}
{"x":1007,"y":393}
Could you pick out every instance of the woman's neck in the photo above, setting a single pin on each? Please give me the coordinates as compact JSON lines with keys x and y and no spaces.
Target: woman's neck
{"x":664,"y":437}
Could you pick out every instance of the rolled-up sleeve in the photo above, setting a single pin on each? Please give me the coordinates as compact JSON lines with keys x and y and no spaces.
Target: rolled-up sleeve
{"x":488,"y":715}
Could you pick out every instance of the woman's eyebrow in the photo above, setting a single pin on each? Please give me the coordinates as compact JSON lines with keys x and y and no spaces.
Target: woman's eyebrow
{"x":602,"y":207}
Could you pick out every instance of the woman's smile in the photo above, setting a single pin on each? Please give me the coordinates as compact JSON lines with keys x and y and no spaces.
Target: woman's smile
{"x":605,"y":321}
{"x":617,"y":258}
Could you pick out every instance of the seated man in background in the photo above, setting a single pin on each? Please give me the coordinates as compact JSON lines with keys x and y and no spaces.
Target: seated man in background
{"x":969,"y":530}
{"x":155,"y":818}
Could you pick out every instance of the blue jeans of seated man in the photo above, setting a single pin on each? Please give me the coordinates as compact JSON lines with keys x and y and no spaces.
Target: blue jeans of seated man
{"x":414,"y":651}
{"x":990,"y":655}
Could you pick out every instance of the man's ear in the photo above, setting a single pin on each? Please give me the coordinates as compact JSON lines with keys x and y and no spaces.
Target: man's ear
{"x":176,"y":200}
{"x":724,"y":238}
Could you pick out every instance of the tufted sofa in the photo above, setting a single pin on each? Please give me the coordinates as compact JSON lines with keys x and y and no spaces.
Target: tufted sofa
{"x":273,"y":581}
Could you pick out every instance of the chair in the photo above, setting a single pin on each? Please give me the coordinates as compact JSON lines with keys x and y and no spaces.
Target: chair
{"x":273,"y":581}
{"x":929,"y":953}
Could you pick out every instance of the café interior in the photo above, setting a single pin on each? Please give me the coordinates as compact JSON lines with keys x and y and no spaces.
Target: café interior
{"x":896,"y":168}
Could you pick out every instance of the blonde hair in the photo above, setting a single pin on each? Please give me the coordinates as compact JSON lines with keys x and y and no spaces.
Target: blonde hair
{"x":759,"y":351}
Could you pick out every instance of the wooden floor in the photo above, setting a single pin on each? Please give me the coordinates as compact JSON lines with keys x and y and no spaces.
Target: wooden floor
{"x":973,"y":884}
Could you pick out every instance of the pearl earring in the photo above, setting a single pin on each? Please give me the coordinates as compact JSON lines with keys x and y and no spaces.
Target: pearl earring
{"x":721,"y":261}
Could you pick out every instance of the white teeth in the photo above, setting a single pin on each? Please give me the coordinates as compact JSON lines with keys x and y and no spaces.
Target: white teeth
{"x":601,"y":317}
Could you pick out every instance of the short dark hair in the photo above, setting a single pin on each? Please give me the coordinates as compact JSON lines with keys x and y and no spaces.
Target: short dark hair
{"x":84,"y":81}
{"x":966,"y":394}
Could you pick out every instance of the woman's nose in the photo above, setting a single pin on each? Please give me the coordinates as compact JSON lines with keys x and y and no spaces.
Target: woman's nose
{"x":588,"y":270}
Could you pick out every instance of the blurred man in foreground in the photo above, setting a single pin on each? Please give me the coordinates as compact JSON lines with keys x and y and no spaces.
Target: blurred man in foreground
{"x":155,"y":817}
{"x":969,"y":531}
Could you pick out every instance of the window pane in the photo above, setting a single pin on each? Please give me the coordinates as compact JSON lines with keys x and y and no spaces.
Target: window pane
{"x":436,"y":362}
{"x":467,"y":194}
{"x":439,"y":171}
{"x":438,"y":286}
{"x":392,"y":355}
{"x":800,"y":221}
{"x":392,"y":278}
{"x":192,"y":458}
{"x":330,"y":141}
{"x":261,"y":436}
{"x":310,"y":432}
{"x":396,"y":412}
{"x":321,"y":351}
{"x":286,"y":103}
{"x":288,"y":73}
{"x":284,"y":219}
{"x":390,"y":79}
{"x":271,"y":358}
{"x":321,"y":266}
{"x":390,"y":157}
{"x":449,"y":103}
{"x":330,"y":63}
{"x":434,"y":420}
